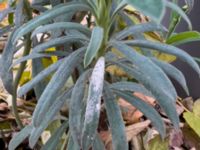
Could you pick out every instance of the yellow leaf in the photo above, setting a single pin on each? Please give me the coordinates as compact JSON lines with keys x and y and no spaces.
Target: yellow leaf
{"x":26,"y":76}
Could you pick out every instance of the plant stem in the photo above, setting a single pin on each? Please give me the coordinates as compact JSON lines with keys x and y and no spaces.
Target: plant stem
{"x":17,"y":80}
{"x":22,"y":66}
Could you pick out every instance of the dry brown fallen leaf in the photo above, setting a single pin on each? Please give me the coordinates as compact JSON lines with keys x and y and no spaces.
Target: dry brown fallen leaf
{"x":131,"y":132}
{"x":130,"y":113}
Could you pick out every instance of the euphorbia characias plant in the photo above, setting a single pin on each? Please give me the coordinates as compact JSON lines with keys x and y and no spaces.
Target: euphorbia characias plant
{"x":84,"y":53}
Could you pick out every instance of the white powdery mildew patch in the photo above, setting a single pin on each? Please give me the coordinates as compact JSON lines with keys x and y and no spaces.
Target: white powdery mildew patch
{"x":98,"y":75}
{"x":95,"y":91}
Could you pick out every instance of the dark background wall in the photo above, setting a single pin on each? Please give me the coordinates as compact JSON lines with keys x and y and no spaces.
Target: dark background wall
{"x":193,"y":49}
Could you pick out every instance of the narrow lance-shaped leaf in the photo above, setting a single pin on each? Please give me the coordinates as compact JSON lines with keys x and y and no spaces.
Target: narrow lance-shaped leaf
{"x":146,"y":109}
{"x":56,"y":83}
{"x":180,"y":12}
{"x":58,"y":41}
{"x":54,"y":109}
{"x":166,"y":49}
{"x":130,"y":86}
{"x":138,"y":29}
{"x":93,"y":104}
{"x":76,"y":107}
{"x":71,"y":145}
{"x":42,"y":75}
{"x":20,"y":137}
{"x":19,"y":15}
{"x":115,"y":120}
{"x":47,"y":17}
{"x":152,"y":8}
{"x":63,"y":26}
{"x":172,"y":72}
{"x":5,"y":62}
{"x":147,"y":67}
{"x":52,"y":143}
{"x":98,"y":143}
{"x":183,"y":37}
{"x":165,"y":101}
{"x":94,"y":45}
{"x":38,"y":55}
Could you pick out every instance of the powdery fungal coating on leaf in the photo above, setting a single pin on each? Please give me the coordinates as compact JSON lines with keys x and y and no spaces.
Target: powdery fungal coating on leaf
{"x":98,"y":75}
{"x":95,"y":91}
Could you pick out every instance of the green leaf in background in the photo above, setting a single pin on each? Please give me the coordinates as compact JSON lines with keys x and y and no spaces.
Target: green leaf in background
{"x":158,"y":144}
{"x":183,"y":37}
{"x":193,"y":121}
{"x":153,"y":8}
{"x":94,"y":45}
{"x":193,"y":118}
{"x":93,"y":107}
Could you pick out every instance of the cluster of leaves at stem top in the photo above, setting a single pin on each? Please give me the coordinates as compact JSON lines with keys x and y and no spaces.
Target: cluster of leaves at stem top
{"x":85,"y":51}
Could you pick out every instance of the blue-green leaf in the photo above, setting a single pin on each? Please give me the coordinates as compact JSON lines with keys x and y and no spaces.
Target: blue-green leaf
{"x":51,"y":113}
{"x":37,"y":55}
{"x":56,"y":83}
{"x":163,"y":98}
{"x":138,"y":29}
{"x":180,"y":12}
{"x":166,"y":49}
{"x":20,"y":137}
{"x":93,"y":104}
{"x":52,"y":143}
{"x":152,"y":8}
{"x":5,"y":62}
{"x":94,"y":45}
{"x":59,"y":41}
{"x":146,"y":109}
{"x":71,"y":145}
{"x":62,"y":26}
{"x":47,"y":17}
{"x":38,"y":78}
{"x":148,"y":68}
{"x":115,"y":120}
{"x":172,"y":72}
{"x":77,"y":106}
{"x":130,"y":86}
{"x":98,"y":144}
